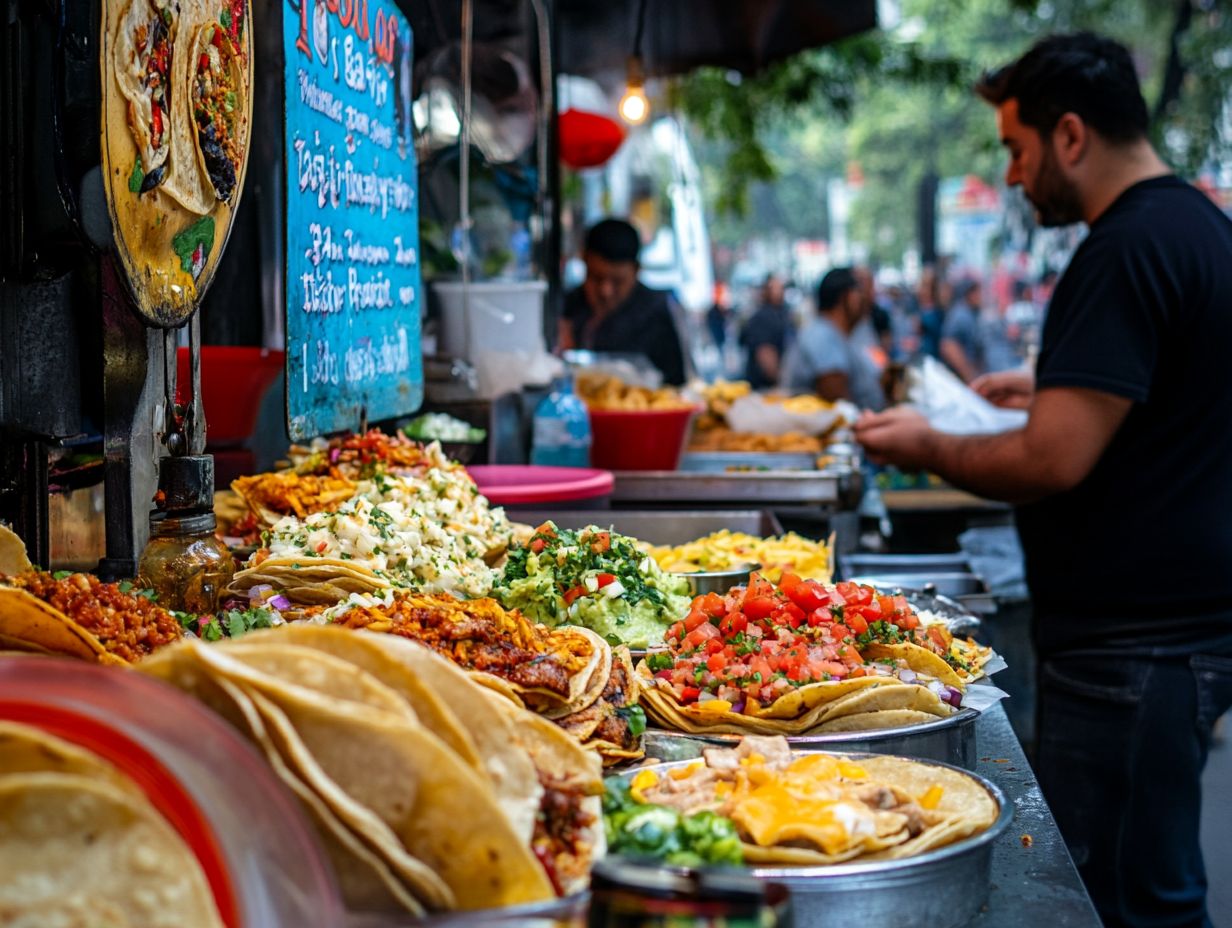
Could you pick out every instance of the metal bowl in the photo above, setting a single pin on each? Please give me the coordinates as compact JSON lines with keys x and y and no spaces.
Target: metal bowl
{"x":943,"y":888}
{"x":719,"y":581}
{"x":950,"y":740}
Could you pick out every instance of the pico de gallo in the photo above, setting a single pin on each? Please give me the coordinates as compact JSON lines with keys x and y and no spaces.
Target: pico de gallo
{"x":758,"y":642}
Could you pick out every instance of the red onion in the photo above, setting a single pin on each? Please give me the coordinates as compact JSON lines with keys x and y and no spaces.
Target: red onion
{"x":279,"y":602}
{"x":907,"y":675}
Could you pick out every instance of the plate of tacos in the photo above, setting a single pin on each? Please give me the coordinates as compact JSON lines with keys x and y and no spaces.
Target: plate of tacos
{"x":802,"y":658}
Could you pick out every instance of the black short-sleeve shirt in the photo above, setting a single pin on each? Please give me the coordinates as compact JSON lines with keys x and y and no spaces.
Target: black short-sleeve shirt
{"x":1139,"y":555}
{"x":643,"y":324}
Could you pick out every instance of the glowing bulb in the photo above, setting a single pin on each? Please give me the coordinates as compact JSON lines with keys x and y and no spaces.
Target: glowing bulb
{"x":634,"y":107}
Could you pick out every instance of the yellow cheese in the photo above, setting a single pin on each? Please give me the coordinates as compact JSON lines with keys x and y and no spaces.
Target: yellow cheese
{"x":932,"y":798}
{"x":643,"y":780}
{"x":771,"y":815}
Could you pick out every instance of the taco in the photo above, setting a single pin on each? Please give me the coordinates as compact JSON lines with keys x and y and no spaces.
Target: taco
{"x":80,"y":851}
{"x":142,"y":59}
{"x":77,"y":615}
{"x":217,"y":92}
{"x":26,"y":749}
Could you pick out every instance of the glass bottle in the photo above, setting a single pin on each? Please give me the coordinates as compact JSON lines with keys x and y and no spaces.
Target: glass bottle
{"x":186,"y":563}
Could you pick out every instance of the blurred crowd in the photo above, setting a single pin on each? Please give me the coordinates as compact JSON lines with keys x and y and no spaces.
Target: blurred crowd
{"x":855,"y":327}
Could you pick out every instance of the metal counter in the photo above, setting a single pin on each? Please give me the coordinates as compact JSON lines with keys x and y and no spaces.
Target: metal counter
{"x":1036,"y":885}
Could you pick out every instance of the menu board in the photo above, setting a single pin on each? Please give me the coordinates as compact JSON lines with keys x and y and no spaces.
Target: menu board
{"x":352,"y":216}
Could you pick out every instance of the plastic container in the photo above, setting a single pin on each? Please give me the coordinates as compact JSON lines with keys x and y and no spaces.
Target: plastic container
{"x":233,"y":380}
{"x":260,"y":856}
{"x":499,"y":316}
{"x":560,"y":433}
{"x":643,"y":440}
{"x":521,"y":485}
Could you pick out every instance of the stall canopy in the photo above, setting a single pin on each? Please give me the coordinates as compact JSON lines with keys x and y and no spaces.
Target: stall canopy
{"x":680,"y":35}
{"x":596,"y":39}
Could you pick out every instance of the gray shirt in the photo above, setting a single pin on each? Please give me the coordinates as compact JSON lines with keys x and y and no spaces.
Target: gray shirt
{"x":822,"y":348}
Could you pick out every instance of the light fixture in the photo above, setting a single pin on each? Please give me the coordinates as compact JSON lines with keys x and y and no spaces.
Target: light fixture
{"x":634,"y":107}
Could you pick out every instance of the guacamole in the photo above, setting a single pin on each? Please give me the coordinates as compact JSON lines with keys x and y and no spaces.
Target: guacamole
{"x":594,"y":578}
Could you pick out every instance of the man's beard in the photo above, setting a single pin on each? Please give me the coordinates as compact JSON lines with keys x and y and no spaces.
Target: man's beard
{"x":1055,"y":199}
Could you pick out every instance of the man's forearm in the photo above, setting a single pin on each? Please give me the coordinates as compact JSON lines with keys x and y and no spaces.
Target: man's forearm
{"x":993,"y":466}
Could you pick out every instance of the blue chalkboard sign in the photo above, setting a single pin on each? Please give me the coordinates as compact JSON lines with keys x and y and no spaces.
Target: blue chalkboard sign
{"x":352,"y":216}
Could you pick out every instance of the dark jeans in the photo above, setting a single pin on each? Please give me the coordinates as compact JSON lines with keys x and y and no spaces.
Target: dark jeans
{"x":1122,"y":743}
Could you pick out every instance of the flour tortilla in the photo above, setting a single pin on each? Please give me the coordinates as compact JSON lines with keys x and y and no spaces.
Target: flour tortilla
{"x":26,"y":749}
{"x":13,"y":557}
{"x":130,"y":67}
{"x":229,"y":57}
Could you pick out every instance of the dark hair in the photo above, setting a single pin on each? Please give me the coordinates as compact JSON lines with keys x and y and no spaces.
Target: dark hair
{"x":834,"y":286}
{"x":1082,"y":73}
{"x":614,"y":239}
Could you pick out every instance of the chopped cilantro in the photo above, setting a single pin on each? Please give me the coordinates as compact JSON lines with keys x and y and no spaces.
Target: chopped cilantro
{"x":62,"y":574}
{"x":659,"y":660}
{"x":126,"y":586}
{"x":636,"y":718}
{"x":137,"y":177}
{"x":225,"y":19}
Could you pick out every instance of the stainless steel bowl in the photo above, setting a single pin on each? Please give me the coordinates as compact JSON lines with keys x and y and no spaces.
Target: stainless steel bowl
{"x":719,"y":581}
{"x":943,"y":888}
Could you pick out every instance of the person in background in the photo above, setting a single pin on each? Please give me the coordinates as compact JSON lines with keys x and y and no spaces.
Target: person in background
{"x":1120,"y":476}
{"x":931,"y":312}
{"x":1023,"y":322}
{"x":824,"y":358}
{"x":766,"y":335}
{"x":719,"y":315}
{"x":877,"y":315}
{"x":962,"y":342}
{"x":613,"y":311}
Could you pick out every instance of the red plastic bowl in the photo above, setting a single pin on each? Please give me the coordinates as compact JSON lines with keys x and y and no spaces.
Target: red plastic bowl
{"x":233,"y":381}
{"x":651,"y":439}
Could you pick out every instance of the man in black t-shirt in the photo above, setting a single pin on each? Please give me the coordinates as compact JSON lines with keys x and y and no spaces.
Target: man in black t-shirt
{"x":1122,"y":476}
{"x":613,"y":311}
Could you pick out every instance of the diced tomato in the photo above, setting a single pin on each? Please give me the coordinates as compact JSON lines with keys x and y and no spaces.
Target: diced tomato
{"x":203,"y":63}
{"x":856,"y":622}
{"x":759,"y":607}
{"x":216,"y":39}
{"x":833,"y":668}
{"x":695,"y":618}
{"x":860,"y":671}
{"x":733,"y":624}
{"x":601,"y":542}
{"x":759,"y":586}
{"x":759,"y":664}
{"x":850,"y":656}
{"x":714,"y":646}
{"x":573,"y":594}
{"x":537,"y":545}
{"x":712,"y":604}
{"x":885,"y":604}
{"x":788,"y":582}
{"x":663,"y":675}
{"x":808,"y":595}
{"x":938,"y":638}
{"x":868,"y":613}
{"x":674,"y":631}
{"x":699,"y":636}
{"x":156,"y":125}
{"x":605,"y":579}
{"x":791,"y":611}
{"x":839,"y":632}
{"x":690,"y":694}
{"x":545,"y":529}
{"x":907,"y":621}
{"x":716,"y":662}
{"x":321,"y":546}
{"x":820,"y":617}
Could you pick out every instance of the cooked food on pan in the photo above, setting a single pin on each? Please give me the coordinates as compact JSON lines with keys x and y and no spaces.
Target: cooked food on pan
{"x":725,"y":550}
{"x":807,"y":809}
{"x":604,"y":392}
{"x":144,"y":46}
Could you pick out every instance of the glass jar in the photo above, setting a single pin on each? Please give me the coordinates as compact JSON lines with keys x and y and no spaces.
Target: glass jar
{"x":186,"y":563}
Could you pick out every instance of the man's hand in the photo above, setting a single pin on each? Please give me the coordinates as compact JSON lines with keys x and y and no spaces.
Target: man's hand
{"x":898,"y":436}
{"x":1007,"y":389}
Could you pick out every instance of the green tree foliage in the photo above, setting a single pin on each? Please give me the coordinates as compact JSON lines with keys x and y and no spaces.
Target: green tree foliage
{"x":899,"y":104}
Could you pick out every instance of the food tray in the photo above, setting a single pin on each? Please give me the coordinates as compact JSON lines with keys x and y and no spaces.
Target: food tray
{"x":964,"y":588}
{"x":945,"y":888}
{"x":809,"y":488}
{"x":724,"y":461}
{"x":660,"y":527}
{"x":948,"y":741}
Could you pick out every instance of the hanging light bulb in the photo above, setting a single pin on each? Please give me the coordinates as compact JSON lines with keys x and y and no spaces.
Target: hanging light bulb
{"x":634,"y":107}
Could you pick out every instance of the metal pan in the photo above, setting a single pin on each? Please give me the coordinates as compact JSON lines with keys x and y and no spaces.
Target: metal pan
{"x":944,"y":888}
{"x":948,"y":741}
{"x":733,"y":461}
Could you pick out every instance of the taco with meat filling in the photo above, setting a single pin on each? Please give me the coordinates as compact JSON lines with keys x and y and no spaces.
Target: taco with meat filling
{"x":217,"y":92}
{"x":143,"y":52}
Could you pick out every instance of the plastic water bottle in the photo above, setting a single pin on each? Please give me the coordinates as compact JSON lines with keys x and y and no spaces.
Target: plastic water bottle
{"x":520,"y":244}
{"x":561,"y":428}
